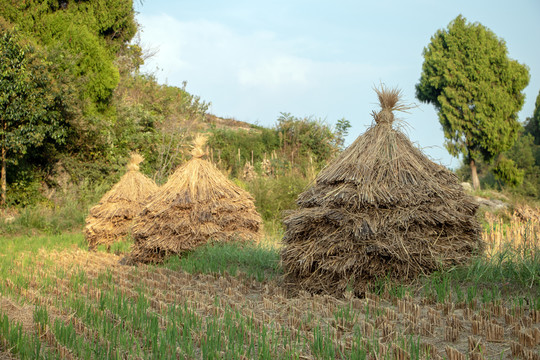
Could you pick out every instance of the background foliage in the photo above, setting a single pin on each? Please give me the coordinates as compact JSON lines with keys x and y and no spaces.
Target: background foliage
{"x":92,"y":107}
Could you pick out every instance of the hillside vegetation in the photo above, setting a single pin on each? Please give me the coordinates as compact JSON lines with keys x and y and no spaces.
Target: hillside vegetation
{"x":91,"y":106}
{"x":96,"y":107}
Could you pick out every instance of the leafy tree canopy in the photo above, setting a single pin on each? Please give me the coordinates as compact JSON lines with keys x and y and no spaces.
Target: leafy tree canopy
{"x":112,"y":20}
{"x":32,"y":106}
{"x":92,"y":66}
{"x":523,"y":154}
{"x":532,"y":126}
{"x":71,"y":48}
{"x":87,"y":34}
{"x":476,"y":89}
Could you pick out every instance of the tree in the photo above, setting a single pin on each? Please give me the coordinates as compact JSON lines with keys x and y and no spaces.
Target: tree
{"x":532,"y":125}
{"x":87,"y":36}
{"x":476,"y":90}
{"x":523,"y":155}
{"x":31,"y":111}
{"x":342,"y":130}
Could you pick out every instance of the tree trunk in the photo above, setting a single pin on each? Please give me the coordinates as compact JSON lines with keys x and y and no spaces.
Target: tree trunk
{"x":3,"y":175}
{"x":474,"y":176}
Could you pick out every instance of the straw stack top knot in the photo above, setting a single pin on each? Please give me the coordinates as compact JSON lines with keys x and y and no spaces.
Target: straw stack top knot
{"x":198,"y":145}
{"x":390,"y":100}
{"x":134,"y":162}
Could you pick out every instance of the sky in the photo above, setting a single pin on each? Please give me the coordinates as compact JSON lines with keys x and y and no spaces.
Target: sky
{"x":253,"y":60}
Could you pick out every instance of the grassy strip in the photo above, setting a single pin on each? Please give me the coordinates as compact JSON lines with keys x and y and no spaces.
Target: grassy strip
{"x":21,"y":253}
{"x":256,"y":261}
{"x":508,"y":275}
{"x":44,"y":220}
{"x":11,"y":247}
{"x":119,"y":247}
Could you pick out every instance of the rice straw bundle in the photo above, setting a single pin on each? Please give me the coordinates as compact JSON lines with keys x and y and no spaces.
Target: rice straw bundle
{"x":196,"y":205}
{"x":110,"y":219}
{"x":381,"y":208}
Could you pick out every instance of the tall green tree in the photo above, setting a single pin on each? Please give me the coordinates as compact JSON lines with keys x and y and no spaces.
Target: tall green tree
{"x":30,"y":109}
{"x":476,"y":89}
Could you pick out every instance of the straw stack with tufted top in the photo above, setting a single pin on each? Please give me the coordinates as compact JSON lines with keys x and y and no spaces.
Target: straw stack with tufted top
{"x":198,"y":204}
{"x":110,"y":220}
{"x":380,"y":209}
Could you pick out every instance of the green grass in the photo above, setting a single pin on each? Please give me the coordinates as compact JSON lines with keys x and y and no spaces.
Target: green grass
{"x":506,"y":275}
{"x":11,"y":246}
{"x":119,"y":247}
{"x":20,"y":252}
{"x":66,"y":213}
{"x":41,"y":219}
{"x":259,"y":262}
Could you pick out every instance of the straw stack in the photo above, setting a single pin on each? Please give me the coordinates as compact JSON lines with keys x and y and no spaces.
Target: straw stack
{"x":380,"y":209}
{"x":198,"y":204}
{"x":110,"y":219}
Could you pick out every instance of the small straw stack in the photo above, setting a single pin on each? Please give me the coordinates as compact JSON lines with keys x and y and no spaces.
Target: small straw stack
{"x":198,"y":204}
{"x":110,"y":220}
{"x":380,"y":209}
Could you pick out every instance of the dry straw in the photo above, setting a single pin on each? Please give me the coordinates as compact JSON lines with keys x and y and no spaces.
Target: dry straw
{"x":381,"y":208}
{"x":110,"y":219}
{"x":521,"y":234}
{"x":198,"y":204}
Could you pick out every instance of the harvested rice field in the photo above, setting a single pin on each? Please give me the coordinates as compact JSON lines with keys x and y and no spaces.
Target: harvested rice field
{"x":68,"y":303}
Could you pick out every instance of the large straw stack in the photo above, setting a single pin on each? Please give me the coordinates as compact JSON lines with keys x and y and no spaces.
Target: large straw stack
{"x":380,"y":209}
{"x":198,"y":204}
{"x":110,"y":219}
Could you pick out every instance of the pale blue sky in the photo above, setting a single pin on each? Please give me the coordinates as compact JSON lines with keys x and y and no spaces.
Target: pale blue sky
{"x":255,"y":59}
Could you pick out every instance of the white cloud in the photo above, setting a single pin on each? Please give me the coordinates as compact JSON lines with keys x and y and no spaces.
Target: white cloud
{"x":276,"y":72}
{"x":204,"y":52}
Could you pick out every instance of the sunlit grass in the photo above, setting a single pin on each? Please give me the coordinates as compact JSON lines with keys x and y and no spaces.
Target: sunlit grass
{"x":12,"y":246}
{"x":255,"y":260}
